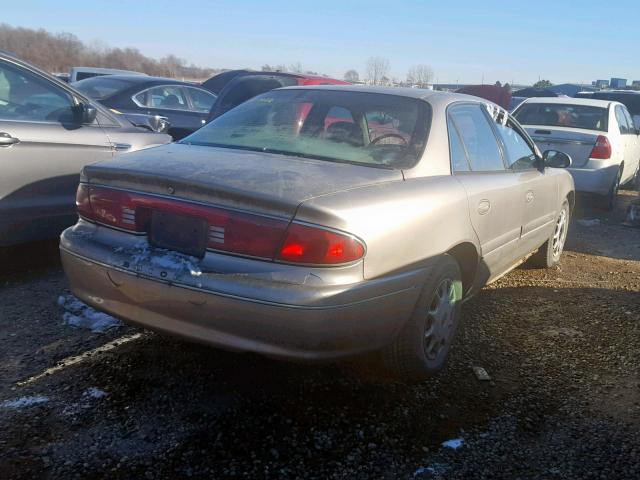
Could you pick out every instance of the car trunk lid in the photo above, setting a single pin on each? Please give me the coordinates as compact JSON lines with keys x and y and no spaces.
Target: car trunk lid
{"x":576,"y":143}
{"x":257,"y":182}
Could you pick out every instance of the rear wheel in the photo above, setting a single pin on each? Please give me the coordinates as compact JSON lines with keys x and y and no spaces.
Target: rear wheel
{"x":422,"y":347}
{"x":548,"y":255}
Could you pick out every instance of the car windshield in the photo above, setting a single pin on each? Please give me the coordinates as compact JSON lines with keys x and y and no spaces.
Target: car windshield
{"x":101,"y":87}
{"x":372,"y":129}
{"x":561,"y":115}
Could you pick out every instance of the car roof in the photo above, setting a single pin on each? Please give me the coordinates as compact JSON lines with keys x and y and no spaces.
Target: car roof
{"x":144,"y":79}
{"x":419,"y":93}
{"x":590,"y":102}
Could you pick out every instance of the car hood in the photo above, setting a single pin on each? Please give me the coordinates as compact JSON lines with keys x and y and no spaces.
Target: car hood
{"x":256,"y":181}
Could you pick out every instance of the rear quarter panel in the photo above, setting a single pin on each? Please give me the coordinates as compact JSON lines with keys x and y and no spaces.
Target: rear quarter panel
{"x":403,"y":223}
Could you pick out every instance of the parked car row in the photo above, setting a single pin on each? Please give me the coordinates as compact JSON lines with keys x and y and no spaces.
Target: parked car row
{"x":187,"y":106}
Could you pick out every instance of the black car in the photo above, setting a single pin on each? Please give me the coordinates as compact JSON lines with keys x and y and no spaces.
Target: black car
{"x":185,"y":105}
{"x":629,"y":98}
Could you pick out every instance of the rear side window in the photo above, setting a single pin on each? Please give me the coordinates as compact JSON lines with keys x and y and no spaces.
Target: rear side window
{"x":520,"y":156}
{"x":169,"y":97}
{"x":477,"y":136}
{"x":622,"y":120}
{"x":630,"y":121}
{"x":202,"y":101}
{"x":459,"y":160}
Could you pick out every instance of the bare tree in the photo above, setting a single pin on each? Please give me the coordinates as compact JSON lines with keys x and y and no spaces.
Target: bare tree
{"x":377,"y":68}
{"x":352,"y":76}
{"x":420,"y":75}
{"x":296,"y":67}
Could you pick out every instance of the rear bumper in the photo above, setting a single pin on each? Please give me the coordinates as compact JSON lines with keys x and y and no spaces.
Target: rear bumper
{"x":595,"y":177}
{"x":246,"y":312}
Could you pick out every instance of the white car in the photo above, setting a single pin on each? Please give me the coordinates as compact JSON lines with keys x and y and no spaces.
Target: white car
{"x":599,"y":136}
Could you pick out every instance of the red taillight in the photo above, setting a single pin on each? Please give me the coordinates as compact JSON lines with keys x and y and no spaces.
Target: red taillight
{"x":602,"y":148}
{"x":317,"y":246}
{"x":230,"y":231}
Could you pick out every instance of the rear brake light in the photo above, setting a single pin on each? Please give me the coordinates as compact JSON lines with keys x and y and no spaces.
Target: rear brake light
{"x":602,"y":149}
{"x":317,"y":246}
{"x":229,"y":231}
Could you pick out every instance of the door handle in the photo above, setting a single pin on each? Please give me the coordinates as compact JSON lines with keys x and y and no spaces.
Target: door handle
{"x":120,"y":147}
{"x":484,"y":206}
{"x":7,"y":140}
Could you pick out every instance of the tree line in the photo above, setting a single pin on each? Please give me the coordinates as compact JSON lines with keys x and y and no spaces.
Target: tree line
{"x":58,"y":52}
{"x":377,"y":73}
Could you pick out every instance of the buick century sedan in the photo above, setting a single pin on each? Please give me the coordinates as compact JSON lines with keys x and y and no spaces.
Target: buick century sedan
{"x":315,"y":223}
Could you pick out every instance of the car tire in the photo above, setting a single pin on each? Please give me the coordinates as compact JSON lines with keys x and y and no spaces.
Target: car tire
{"x":612,"y":197}
{"x":548,"y":255}
{"x":422,"y":347}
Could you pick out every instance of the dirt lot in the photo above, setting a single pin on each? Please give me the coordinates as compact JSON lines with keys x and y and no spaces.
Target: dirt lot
{"x":562,"y":348}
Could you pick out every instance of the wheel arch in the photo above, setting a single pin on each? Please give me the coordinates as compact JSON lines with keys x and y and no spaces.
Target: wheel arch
{"x":571,"y":197}
{"x":467,"y":256}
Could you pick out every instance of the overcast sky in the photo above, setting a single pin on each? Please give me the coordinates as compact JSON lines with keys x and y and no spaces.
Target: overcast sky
{"x":464,"y":40}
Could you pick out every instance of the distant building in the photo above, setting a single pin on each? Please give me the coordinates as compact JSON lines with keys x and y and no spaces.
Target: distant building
{"x":601,"y":84}
{"x":617,"y":83}
{"x":635,"y":84}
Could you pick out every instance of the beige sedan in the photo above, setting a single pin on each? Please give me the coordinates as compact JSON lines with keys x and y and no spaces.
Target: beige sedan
{"x":316,"y":223}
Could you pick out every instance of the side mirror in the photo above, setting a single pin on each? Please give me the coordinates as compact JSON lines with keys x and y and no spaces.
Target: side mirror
{"x":85,"y":113}
{"x":556,"y":159}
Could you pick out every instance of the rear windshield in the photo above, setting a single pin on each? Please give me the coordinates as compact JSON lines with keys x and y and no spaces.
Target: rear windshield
{"x":371,"y":129}
{"x":101,"y":87}
{"x":559,"y":115}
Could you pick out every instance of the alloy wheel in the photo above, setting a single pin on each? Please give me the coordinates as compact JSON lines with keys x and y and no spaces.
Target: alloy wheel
{"x":440,"y":322}
{"x":560,"y":234}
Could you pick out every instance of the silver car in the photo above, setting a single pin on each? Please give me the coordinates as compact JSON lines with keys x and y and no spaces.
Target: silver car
{"x":599,"y":135}
{"x":320,"y":222}
{"x":48,"y":132}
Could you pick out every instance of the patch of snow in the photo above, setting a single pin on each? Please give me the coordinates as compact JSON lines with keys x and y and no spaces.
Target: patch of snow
{"x":142,"y":253}
{"x":454,"y":444}
{"x":23,"y":402}
{"x":81,"y":315}
{"x":589,"y":222}
{"x":86,"y":401}
{"x":94,"y":392}
{"x":434,"y":469}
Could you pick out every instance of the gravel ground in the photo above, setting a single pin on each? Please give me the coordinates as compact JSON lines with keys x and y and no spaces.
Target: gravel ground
{"x":562,"y":348}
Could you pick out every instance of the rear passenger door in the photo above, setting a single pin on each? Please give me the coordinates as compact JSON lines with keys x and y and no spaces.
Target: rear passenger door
{"x":492,"y":191}
{"x":538,"y":187}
